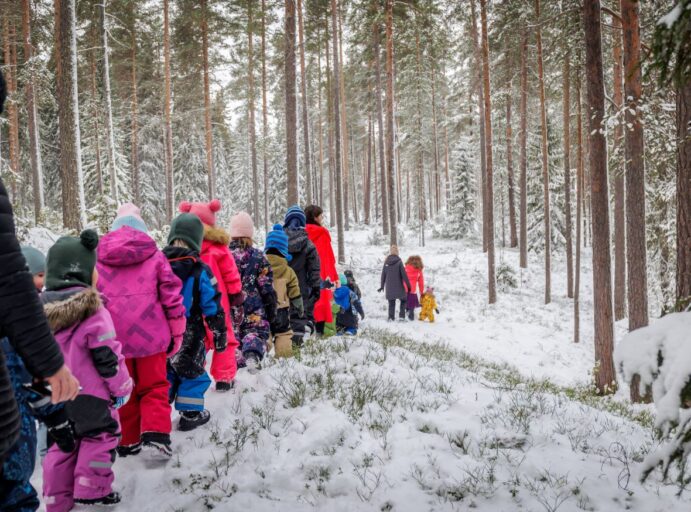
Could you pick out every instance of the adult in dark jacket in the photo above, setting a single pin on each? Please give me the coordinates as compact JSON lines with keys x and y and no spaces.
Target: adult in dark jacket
{"x":395,"y":280}
{"x":305,"y":262}
{"x":22,"y":321}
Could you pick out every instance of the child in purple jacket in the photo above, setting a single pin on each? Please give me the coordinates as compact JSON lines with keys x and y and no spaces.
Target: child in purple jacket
{"x":84,"y":330}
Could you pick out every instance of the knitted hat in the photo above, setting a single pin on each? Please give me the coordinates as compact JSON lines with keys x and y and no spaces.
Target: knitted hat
{"x":188,"y":228}
{"x":295,"y":217}
{"x":343,"y":279}
{"x":129,"y":215}
{"x":35,"y":259}
{"x":277,"y":239}
{"x":241,"y":226}
{"x":205,"y":211}
{"x":71,"y":261}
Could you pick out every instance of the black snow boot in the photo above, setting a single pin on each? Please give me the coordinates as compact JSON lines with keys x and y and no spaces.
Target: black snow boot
{"x":156,"y":446}
{"x":223,"y":387}
{"x":189,"y":420}
{"x":126,"y":451}
{"x":111,"y":500}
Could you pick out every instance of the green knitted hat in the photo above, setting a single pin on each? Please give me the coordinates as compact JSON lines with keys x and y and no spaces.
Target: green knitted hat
{"x":188,"y":228}
{"x":35,"y":259}
{"x":71,"y":261}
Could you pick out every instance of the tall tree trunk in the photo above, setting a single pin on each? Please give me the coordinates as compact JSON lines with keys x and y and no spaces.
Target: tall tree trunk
{"x":344,"y":128}
{"x":435,"y":145}
{"x":291,"y":104}
{"x":419,"y":175}
{"x":170,"y":182}
{"x":482,"y":131}
{"x":320,"y":191}
{"x":545,"y":157}
{"x":208,"y":131}
{"x":110,"y":133}
{"x":265,"y":122}
{"x":12,"y":111}
{"x":637,"y":285}
{"x":337,"y":133}
{"x":250,"y":97}
{"x":566,"y":112}
{"x":393,"y":225}
{"x":523,"y":208}
{"x":605,"y":378}
{"x":32,"y":112}
{"x":579,"y":209}
{"x":136,"y":186}
{"x":380,"y":122}
{"x":368,"y":172}
{"x":447,"y":179}
{"x":305,"y":111}
{"x":488,"y":143}
{"x":330,"y":129}
{"x":509,"y":165}
{"x":684,"y":191}
{"x":95,"y":115}
{"x":73,"y":205}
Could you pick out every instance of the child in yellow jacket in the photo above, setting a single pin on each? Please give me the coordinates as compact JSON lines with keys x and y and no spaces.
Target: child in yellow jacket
{"x":429,"y":306}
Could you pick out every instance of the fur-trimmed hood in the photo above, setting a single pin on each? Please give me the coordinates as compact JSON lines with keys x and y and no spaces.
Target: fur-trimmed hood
{"x":66,"y":308}
{"x":216,"y":235}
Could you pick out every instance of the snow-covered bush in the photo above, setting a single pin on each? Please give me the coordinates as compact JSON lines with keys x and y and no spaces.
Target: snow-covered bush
{"x":661,"y":355}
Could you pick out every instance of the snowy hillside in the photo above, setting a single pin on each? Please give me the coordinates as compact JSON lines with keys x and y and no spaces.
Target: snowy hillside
{"x":485,"y":409}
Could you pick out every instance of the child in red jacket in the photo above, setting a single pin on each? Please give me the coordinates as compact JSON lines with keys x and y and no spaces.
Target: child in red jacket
{"x":414,"y":270}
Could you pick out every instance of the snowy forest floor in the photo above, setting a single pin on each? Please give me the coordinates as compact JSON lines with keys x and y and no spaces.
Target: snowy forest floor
{"x":489,"y":408}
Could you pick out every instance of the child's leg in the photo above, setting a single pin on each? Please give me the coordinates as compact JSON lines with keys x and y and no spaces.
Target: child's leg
{"x":130,"y":419}
{"x":191,"y":392}
{"x":255,"y":336}
{"x":284,"y":344}
{"x":392,"y":309}
{"x":423,"y":314}
{"x":93,"y":474}
{"x":174,"y":381}
{"x":224,"y":365}
{"x":153,"y":389}
{"x":431,"y":317}
{"x":59,"y":479}
{"x":401,"y":310}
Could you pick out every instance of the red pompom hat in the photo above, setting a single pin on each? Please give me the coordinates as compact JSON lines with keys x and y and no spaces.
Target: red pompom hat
{"x":205,"y":211}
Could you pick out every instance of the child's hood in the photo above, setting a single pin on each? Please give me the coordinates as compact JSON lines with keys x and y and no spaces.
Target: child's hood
{"x":342,"y":296}
{"x":125,"y":246}
{"x":183,"y":261}
{"x":278,"y":263}
{"x":216,"y":235}
{"x":392,"y":259}
{"x":69,"y":307}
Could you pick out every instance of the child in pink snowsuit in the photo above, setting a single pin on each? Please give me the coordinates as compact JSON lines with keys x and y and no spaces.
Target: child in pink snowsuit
{"x":84,"y":330}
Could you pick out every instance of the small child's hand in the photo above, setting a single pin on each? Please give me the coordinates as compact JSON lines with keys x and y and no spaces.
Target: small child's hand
{"x":436,"y":311}
{"x":380,"y":290}
{"x":119,"y":401}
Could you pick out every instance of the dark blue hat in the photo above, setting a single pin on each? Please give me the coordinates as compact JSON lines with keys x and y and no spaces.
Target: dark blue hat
{"x":295,"y":217}
{"x":277,"y":239}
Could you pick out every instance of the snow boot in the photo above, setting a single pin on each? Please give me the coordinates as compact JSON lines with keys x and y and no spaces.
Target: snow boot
{"x":132,"y":449}
{"x":283,"y":345}
{"x":223,"y":387}
{"x":252,"y":363}
{"x":189,"y":420}
{"x":156,"y":446}
{"x":111,"y":500}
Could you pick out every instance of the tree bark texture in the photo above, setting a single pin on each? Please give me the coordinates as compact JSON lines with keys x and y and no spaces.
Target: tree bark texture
{"x":265,"y":122}
{"x":393,"y":225}
{"x":305,"y":110}
{"x":510,"y":174}
{"x":110,"y":134}
{"x":566,"y":86}
{"x":684,"y":191}
{"x":337,"y":134}
{"x":291,"y":104}
{"x":523,"y":208}
{"x":251,"y":108}
{"x":380,"y":123}
{"x":136,"y":186}
{"x":170,"y":182}
{"x":579,"y":210}
{"x":208,"y":131}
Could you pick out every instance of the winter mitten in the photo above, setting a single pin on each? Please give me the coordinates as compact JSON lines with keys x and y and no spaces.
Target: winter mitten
{"x":362,"y":316}
{"x":327,"y":284}
{"x":380,"y":290}
{"x":177,"y":326}
{"x":119,"y":401}
{"x":436,"y":311}
{"x":236,"y":299}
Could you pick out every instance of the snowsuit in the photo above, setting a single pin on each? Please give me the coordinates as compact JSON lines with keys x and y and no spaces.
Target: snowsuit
{"x":186,"y":374}
{"x":143,"y":298}
{"x":252,"y":320}
{"x":429,"y":306}
{"x":417,"y":282}
{"x":350,"y":306}
{"x":330,"y":327}
{"x":22,"y":322}
{"x":216,"y":254}
{"x":395,"y":281}
{"x":321,"y":239}
{"x":86,"y":334}
{"x":288,"y":299}
{"x":352,"y":284}
{"x":307,"y":267}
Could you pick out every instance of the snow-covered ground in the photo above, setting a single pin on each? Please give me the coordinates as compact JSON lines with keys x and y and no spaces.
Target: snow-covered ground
{"x":475,"y":411}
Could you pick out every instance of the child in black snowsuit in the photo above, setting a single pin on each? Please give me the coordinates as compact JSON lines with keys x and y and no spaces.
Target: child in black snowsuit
{"x":188,"y":378}
{"x":347,"y":320}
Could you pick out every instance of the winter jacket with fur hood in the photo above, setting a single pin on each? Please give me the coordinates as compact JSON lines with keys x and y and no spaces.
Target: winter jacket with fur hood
{"x":142,"y":292}
{"x":85,"y":332}
{"x":394,"y":279}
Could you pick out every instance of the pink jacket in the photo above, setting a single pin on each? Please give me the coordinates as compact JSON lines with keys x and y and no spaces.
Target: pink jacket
{"x":84,"y":330}
{"x":416,"y":278}
{"x":142,"y":293}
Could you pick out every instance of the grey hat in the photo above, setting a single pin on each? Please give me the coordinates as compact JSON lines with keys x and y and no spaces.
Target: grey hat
{"x":35,"y":259}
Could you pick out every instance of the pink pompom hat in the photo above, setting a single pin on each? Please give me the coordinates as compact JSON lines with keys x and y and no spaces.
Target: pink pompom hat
{"x":205,"y":211}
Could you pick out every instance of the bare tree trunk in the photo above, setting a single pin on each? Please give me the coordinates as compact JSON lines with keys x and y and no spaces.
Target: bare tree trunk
{"x":619,"y":187}
{"x":435,"y":145}
{"x":545,"y":156}
{"x":251,"y":108}
{"x":344,"y":128}
{"x":320,"y":191}
{"x":291,"y":104}
{"x":605,"y":377}
{"x":32,"y":112}
{"x":305,"y":111}
{"x":523,"y":208}
{"x":12,"y":112}
{"x":368,"y":173}
{"x":94,"y":115}
{"x":637,"y":285}
{"x":73,"y":205}
{"x":684,"y":191}
{"x":566,"y":85}
{"x":419,"y":181}
{"x":579,"y":209}
{"x":330,"y":130}
{"x":380,"y":124}
{"x":488,"y":140}
{"x":337,"y":134}
{"x":136,"y":189}
{"x":393,"y":231}
{"x":170,"y":182}
{"x":265,"y":122}
{"x":447,"y":179}
{"x":509,"y":165}
{"x":110,"y":135}
{"x":209,"y":136}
